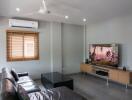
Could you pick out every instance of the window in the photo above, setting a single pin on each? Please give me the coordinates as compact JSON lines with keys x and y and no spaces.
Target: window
{"x":22,"y":46}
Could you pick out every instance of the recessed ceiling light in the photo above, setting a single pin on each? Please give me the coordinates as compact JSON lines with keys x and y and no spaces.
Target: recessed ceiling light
{"x":84,"y":19}
{"x":18,"y":9}
{"x":66,"y":17}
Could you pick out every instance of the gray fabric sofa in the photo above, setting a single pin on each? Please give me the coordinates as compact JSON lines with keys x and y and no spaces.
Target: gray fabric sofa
{"x":10,"y":91}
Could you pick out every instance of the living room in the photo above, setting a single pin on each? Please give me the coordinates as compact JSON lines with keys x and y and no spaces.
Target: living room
{"x":65,"y":29}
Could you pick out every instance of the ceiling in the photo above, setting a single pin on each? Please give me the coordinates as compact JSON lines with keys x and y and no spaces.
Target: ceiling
{"x":93,"y":10}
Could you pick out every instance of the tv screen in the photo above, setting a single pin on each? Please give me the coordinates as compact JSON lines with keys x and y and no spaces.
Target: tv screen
{"x":104,"y":54}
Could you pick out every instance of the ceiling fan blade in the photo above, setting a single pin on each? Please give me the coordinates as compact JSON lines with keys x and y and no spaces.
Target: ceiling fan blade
{"x":44,"y":5}
{"x":43,"y":8}
{"x":57,"y":15}
{"x":28,"y":14}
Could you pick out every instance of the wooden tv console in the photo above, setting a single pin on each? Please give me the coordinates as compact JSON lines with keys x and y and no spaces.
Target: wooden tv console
{"x":110,"y":73}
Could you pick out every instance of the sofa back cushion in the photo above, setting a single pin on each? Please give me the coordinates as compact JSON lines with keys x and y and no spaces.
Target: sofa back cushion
{"x":7,"y":75}
{"x":14,"y":74}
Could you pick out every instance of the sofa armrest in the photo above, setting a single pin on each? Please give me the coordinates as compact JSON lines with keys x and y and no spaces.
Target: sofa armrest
{"x":22,"y":74}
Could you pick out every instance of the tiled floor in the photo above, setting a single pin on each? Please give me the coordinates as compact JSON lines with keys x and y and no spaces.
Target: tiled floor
{"x":94,"y":88}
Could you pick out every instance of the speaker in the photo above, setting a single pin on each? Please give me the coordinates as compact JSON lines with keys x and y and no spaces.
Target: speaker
{"x":124,"y":68}
{"x":86,"y":61}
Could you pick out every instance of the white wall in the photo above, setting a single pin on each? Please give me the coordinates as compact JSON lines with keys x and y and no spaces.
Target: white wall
{"x":117,"y":30}
{"x":36,"y":67}
{"x":56,"y":47}
{"x":50,"y":49}
{"x":72,"y":40}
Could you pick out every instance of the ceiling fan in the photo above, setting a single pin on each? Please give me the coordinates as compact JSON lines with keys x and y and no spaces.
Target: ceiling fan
{"x":44,"y":10}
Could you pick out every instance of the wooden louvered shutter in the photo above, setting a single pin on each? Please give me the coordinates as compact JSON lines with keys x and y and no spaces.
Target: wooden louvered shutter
{"x":22,"y":45}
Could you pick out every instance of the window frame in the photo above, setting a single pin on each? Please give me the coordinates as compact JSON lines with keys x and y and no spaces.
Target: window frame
{"x":26,"y":33}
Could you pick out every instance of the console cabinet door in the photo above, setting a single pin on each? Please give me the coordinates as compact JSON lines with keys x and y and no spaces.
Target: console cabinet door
{"x":124,"y":77}
{"x":113,"y":75}
{"x":83,"y":67}
{"x":86,"y":68}
{"x":89,"y":68}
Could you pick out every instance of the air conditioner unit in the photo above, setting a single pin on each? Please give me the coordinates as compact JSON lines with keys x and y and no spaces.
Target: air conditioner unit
{"x":23,"y":23}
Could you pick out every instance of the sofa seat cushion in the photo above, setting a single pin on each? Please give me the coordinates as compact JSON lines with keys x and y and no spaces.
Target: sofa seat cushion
{"x":24,"y":79}
{"x":61,"y":93}
{"x":38,"y":96}
{"x":31,"y":88}
{"x":27,"y":84}
{"x":22,"y":93}
{"x":45,"y":95}
{"x":67,"y":94}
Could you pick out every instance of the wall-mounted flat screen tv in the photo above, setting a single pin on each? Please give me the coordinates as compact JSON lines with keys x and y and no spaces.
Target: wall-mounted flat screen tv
{"x":104,"y":54}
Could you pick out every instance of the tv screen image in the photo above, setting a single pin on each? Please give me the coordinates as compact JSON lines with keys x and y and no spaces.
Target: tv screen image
{"x":104,"y":54}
